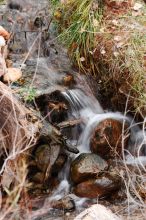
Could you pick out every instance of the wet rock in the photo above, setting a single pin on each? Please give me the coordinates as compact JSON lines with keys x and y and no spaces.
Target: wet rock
{"x":58,"y":111}
{"x":98,"y":187}
{"x":42,"y":157}
{"x":66,"y":204}
{"x":59,"y":163}
{"x":85,"y":166}
{"x":106,"y":140}
{"x":12,"y":75}
{"x":97,"y":212}
{"x":53,"y":106}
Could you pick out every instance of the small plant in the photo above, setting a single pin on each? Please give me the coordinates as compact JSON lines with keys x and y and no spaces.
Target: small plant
{"x":28,"y":94}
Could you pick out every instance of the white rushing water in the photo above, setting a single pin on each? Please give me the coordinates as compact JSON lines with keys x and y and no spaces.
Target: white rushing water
{"x":91,"y":113}
{"x":89,"y":110}
{"x":79,"y":100}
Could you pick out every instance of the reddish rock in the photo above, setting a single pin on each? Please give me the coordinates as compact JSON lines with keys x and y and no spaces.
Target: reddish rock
{"x":85,"y":166}
{"x":4,"y":33}
{"x":106,"y":140}
{"x":98,"y":187}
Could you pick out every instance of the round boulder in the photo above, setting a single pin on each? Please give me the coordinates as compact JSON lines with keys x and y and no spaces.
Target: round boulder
{"x":98,"y":187}
{"x":106,"y":140}
{"x":85,"y":166}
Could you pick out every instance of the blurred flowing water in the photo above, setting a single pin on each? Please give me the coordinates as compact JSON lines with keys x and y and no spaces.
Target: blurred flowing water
{"x":47,"y":72}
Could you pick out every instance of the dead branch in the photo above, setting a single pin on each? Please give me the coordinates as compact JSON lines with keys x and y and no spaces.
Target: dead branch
{"x":15,"y":129}
{"x":70,"y":123}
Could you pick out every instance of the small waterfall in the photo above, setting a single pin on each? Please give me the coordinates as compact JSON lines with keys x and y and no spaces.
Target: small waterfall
{"x":79,"y":101}
{"x":90,"y":111}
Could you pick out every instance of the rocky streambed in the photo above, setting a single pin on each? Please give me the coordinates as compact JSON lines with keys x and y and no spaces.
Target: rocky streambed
{"x":82,"y":153}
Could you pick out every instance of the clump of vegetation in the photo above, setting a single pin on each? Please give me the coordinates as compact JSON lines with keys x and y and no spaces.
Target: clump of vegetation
{"x":106,"y":39}
{"x":28,"y":94}
{"x":78,"y":22}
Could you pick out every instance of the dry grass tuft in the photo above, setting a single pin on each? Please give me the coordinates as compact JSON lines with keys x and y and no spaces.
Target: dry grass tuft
{"x":108,"y":41}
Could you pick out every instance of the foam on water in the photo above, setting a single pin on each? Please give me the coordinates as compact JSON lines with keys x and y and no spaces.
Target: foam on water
{"x":61,"y":191}
{"x":141,"y":160}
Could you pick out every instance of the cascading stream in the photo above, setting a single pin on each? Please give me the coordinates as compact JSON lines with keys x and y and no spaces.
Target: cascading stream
{"x":91,"y":113}
{"x":86,"y":107}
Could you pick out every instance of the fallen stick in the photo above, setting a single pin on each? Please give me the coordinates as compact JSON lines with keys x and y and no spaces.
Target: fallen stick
{"x":70,"y":123}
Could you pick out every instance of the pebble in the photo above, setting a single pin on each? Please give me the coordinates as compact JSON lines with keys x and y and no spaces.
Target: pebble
{"x":12,"y":75}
